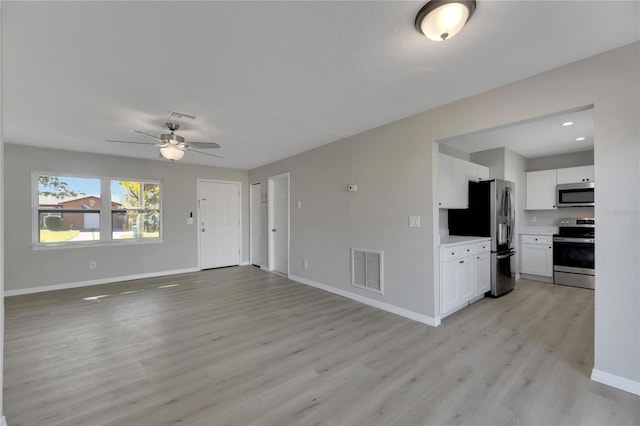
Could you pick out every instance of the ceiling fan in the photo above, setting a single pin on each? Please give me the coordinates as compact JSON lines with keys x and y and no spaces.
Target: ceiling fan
{"x":172,"y":147}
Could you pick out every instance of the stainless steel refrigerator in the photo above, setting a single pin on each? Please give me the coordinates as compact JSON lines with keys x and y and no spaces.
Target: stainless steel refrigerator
{"x":491,"y":214}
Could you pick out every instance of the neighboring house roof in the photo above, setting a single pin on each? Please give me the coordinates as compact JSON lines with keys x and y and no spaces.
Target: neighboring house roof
{"x":48,"y":200}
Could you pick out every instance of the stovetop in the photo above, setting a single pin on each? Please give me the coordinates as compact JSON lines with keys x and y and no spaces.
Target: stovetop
{"x":576,"y":228}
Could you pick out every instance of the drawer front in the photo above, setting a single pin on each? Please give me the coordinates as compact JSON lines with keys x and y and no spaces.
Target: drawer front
{"x":457,"y":252}
{"x":537,"y":239}
{"x":483,"y":247}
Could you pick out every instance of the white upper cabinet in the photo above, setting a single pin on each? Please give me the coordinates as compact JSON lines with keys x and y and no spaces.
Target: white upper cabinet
{"x":541,"y":185}
{"x":576,"y":174}
{"x":477,"y":172}
{"x":454,"y":175}
{"x":453,"y":191}
{"x":541,"y":190}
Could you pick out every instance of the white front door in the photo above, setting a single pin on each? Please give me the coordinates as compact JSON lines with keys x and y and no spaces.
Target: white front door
{"x":219,"y":223}
{"x":256,"y":223}
{"x":279,"y":223}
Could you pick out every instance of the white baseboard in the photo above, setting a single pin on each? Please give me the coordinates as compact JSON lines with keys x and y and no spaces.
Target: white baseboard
{"x":264,"y":268}
{"x":615,"y":381}
{"x":99,"y":281}
{"x":425,"y":319}
{"x":244,"y":263}
{"x":3,"y":421}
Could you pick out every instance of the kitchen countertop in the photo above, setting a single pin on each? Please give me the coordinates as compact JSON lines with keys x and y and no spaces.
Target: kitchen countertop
{"x":457,"y":240}
{"x":538,"y":230}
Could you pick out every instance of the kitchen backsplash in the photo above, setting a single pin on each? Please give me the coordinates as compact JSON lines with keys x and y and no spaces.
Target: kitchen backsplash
{"x":550,"y":217}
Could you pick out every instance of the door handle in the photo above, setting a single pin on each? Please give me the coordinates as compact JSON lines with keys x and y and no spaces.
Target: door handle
{"x":505,"y":256}
{"x":273,"y":230}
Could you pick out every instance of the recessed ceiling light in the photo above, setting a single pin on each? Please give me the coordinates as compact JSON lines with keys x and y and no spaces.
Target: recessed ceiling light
{"x":581,"y":138}
{"x":567,"y":123}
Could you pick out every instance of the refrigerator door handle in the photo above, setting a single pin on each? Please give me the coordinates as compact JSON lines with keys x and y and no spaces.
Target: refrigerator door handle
{"x":506,"y":256}
{"x":510,"y":215}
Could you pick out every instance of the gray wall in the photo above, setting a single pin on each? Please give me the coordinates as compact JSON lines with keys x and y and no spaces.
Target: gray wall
{"x":27,"y":268}
{"x":394,"y":168}
{"x":453,"y":152}
{"x":574,"y":159}
{"x":494,"y":159}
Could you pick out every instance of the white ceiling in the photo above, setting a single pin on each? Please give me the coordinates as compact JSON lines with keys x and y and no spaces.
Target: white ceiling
{"x":268,"y":80}
{"x":534,"y":138}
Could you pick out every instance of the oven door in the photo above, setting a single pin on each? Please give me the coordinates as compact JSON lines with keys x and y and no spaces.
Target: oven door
{"x":575,"y":255}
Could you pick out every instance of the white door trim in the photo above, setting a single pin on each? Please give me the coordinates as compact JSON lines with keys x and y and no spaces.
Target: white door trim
{"x":239,"y":184}
{"x":270,"y":250}
{"x":251,"y":221}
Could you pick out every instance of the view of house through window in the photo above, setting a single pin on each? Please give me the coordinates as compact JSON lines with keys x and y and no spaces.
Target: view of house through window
{"x":70,"y":209}
{"x":138,"y":211}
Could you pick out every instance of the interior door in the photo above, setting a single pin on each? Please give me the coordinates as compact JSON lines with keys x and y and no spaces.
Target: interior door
{"x":256,"y":224}
{"x":279,"y":223}
{"x":219,"y":223}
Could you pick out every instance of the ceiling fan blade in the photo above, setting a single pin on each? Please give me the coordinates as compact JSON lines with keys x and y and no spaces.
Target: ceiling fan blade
{"x":137,"y":143}
{"x":149,"y":135}
{"x":203,"y":153}
{"x":203,"y":145}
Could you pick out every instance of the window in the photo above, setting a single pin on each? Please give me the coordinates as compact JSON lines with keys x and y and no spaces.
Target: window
{"x":65,"y":212}
{"x":135,"y":210}
{"x":69,"y":210}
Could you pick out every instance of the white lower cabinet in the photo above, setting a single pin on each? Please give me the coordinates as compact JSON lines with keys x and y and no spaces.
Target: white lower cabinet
{"x":537,"y":255}
{"x":482,"y":273}
{"x":465,"y":274}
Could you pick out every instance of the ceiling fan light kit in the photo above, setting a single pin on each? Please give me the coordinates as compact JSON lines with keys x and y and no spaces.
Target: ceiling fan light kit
{"x":440,"y":20}
{"x":171,"y":152}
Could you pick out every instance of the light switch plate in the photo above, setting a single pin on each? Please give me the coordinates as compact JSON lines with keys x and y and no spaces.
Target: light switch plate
{"x":189,"y":221}
{"x":414,"y":221}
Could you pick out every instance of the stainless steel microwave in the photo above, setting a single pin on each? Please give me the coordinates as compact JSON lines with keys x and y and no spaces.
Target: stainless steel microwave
{"x":575,"y":194}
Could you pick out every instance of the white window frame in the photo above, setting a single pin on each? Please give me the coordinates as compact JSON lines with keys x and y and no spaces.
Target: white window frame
{"x":106,"y":220}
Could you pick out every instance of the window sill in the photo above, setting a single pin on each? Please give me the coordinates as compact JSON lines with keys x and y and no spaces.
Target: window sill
{"x":117,"y":243}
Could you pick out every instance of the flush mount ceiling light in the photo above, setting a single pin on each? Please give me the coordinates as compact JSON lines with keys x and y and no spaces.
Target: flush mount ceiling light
{"x":171,"y":152}
{"x":581,"y":138}
{"x":567,"y":123}
{"x":440,"y":20}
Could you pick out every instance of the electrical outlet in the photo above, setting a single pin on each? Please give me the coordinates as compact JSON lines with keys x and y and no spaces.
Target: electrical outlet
{"x":533,"y":219}
{"x":305,"y":264}
{"x":92,"y":264}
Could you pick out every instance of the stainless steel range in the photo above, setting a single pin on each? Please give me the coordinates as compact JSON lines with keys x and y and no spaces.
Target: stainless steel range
{"x":574,"y":253}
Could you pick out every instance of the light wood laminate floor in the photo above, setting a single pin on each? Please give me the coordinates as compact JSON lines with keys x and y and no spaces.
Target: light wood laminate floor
{"x":240,"y":346}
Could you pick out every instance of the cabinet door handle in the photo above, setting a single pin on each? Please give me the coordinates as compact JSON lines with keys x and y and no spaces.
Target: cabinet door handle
{"x":462,"y":261}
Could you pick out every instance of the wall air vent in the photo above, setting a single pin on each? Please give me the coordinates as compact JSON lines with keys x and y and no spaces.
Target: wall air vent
{"x":178,"y":116}
{"x":367,"y":270}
